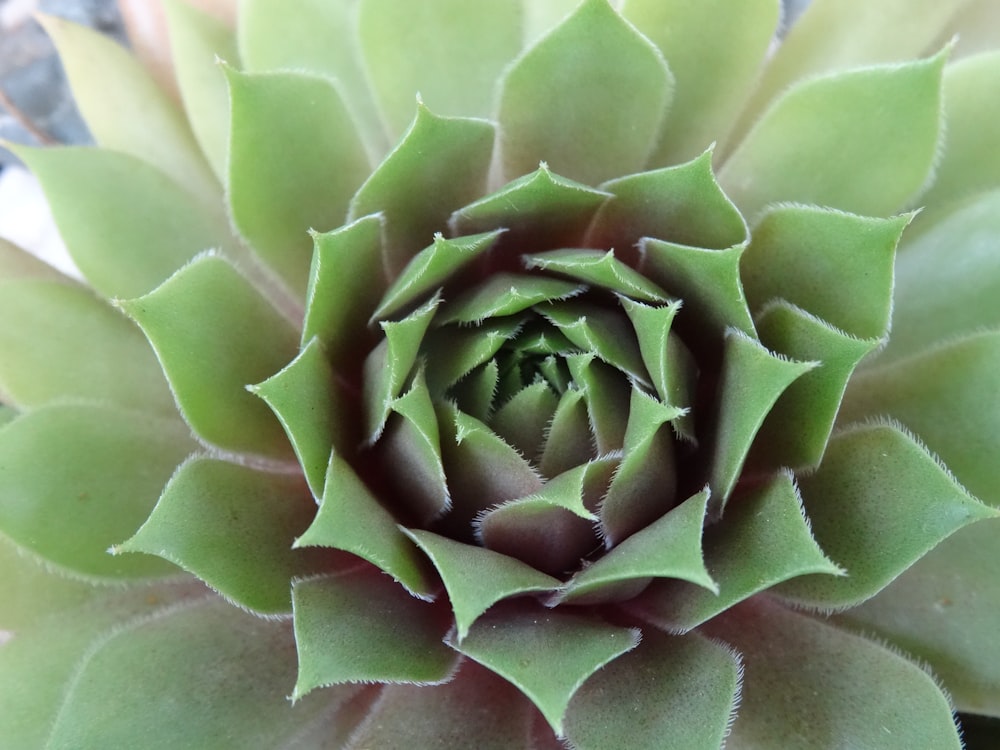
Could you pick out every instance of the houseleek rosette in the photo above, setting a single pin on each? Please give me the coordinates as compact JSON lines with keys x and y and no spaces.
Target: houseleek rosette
{"x":571,"y":419}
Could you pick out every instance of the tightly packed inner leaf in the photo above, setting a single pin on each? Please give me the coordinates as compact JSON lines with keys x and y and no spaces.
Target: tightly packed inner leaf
{"x":523,"y":427}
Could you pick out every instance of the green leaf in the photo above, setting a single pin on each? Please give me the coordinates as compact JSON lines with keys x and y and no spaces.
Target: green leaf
{"x":715,"y":50}
{"x":69,"y":344}
{"x":359,"y":626}
{"x":793,"y":698}
{"x":684,"y":688}
{"x":198,"y":651}
{"x":943,"y":611}
{"x":449,"y":716}
{"x":505,"y":294}
{"x":271,"y":38}
{"x":708,"y":282}
{"x":417,"y":194}
{"x":546,"y":654}
{"x":975,"y":26}
{"x":945,"y":395}
{"x":682,"y":204}
{"x":882,"y":162}
{"x":295,"y":160}
{"x":432,"y":268}
{"x":108,"y":204}
{"x":78,"y":479}
{"x":570,"y":442}
{"x":598,"y":268}
{"x":233,"y":527}
{"x":607,"y":395}
{"x":214,"y":334}
{"x":524,"y":420}
{"x":313,"y":408}
{"x":413,"y":48}
{"x":108,"y":81}
{"x":41,"y":663}
{"x":796,"y":430}
{"x":351,"y":518}
{"x":878,"y":503}
{"x":16,"y":263}
{"x":948,"y":279}
{"x":540,"y":210}
{"x":669,"y":547}
{"x":477,"y":578}
{"x":196,"y":40}
{"x":451,"y":353}
{"x":751,"y":381}
{"x":345,"y":284}
{"x":594,"y":75}
{"x":762,"y":539}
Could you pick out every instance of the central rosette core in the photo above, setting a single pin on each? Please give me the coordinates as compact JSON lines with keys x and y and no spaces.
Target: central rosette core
{"x":535,"y":410}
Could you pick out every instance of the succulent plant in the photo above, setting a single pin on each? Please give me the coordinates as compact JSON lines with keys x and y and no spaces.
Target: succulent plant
{"x":512,"y":375}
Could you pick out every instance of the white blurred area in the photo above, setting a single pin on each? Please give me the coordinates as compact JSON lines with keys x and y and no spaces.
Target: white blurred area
{"x":26,"y":221}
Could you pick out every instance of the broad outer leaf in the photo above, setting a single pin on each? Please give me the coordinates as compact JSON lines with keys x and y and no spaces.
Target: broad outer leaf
{"x":63,"y":342}
{"x":360,"y":626}
{"x":233,"y":527}
{"x":295,"y":160}
{"x":808,"y":684}
{"x":878,"y":503}
{"x":214,"y":334}
{"x":684,"y":688}
{"x":595,"y":75}
{"x":881,"y":162}
{"x":943,"y":610}
{"x":126,"y":224}
{"x":198,"y":651}
{"x":547,"y":654}
{"x":451,"y":52}
{"x":78,"y":479}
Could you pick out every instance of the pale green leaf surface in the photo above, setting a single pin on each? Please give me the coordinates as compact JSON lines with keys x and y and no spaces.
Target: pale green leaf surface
{"x":233,"y":527}
{"x":837,"y":35}
{"x":881,"y":161}
{"x":214,"y":334}
{"x":752,"y":380}
{"x":816,"y":259}
{"x":126,"y":224}
{"x":413,"y":48}
{"x":762,"y":539}
{"x":878,"y":503}
{"x":63,"y":342}
{"x":606,"y":394}
{"x":682,"y":204}
{"x":197,"y":40}
{"x":541,"y":18}
{"x":389,"y":365}
{"x":595,"y":75}
{"x":198,"y":652}
{"x":17,"y":263}
{"x":807,"y":684}
{"x":360,"y":626}
{"x":417,"y":194}
{"x":546,"y":654}
{"x":708,"y":283}
{"x":977,"y":28}
{"x":796,"y":430}
{"x":345,"y":283}
{"x":669,"y":547}
{"x":948,"y":279}
{"x":477,"y":578}
{"x":523,"y":421}
{"x":504,"y":294}
{"x":715,"y":50}
{"x":313,"y":408}
{"x":679,"y":687}
{"x":38,"y":664}
{"x":295,"y":160}
{"x":448,"y":717}
{"x":539,"y":210}
{"x":431,"y":268}
{"x":645,"y":483}
{"x":947,"y":396}
{"x":940,"y":613}
{"x":78,"y":479}
{"x":350,"y":518}
{"x":270,"y":38}
{"x":108,"y":81}
{"x":599,"y":268}
{"x":569,"y":442}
